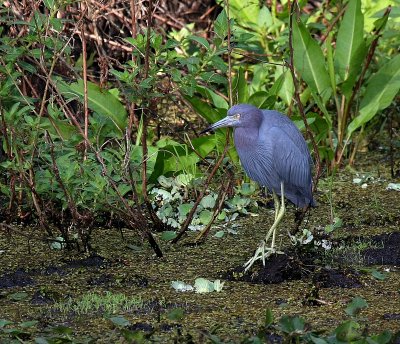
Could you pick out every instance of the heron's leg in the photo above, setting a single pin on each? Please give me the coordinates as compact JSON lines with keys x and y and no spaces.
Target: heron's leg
{"x":261,"y":250}
{"x":279,"y":216}
{"x":277,"y":209}
{"x":276,"y":204}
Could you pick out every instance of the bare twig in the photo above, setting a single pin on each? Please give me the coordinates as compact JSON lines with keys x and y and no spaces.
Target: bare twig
{"x":85,"y":82}
{"x":333,"y":23}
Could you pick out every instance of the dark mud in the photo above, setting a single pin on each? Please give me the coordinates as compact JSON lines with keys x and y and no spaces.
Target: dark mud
{"x":289,"y":267}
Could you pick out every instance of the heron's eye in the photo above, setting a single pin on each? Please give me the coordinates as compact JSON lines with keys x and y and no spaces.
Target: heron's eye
{"x":236,"y":116}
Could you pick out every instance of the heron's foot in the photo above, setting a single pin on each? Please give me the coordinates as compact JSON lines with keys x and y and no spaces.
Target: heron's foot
{"x":262,"y":253}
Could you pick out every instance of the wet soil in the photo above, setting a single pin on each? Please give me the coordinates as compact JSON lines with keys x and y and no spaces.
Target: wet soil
{"x":308,"y":281}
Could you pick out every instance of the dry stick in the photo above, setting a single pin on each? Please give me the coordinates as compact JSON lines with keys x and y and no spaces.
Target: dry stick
{"x":298,"y":100}
{"x":332,"y":24}
{"x":206,"y":13}
{"x":391,"y":146}
{"x":85,"y":83}
{"x":371,"y":52}
{"x":133,"y":16}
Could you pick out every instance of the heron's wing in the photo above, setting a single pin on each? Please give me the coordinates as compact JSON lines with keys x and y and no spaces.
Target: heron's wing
{"x":285,"y":156}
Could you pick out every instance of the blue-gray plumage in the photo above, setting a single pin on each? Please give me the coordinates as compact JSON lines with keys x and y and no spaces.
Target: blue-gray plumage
{"x":273,"y":153}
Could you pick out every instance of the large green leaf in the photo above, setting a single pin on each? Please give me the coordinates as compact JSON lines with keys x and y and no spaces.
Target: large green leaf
{"x":99,"y":100}
{"x":381,"y":89}
{"x":59,"y":128}
{"x":176,"y":157}
{"x":217,"y":100}
{"x":205,"y":110}
{"x":286,"y":89}
{"x":309,"y":61}
{"x":350,"y":46}
{"x":245,"y":12}
{"x":240,"y":86}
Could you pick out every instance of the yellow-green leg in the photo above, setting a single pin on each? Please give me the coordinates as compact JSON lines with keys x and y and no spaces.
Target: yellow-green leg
{"x":262,"y":251}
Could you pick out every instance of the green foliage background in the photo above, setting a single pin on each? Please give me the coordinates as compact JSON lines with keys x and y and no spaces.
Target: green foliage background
{"x":80,"y":147}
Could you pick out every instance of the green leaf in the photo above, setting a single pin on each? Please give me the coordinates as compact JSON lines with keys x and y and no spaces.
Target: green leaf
{"x":269,"y":317}
{"x":208,"y":202}
{"x":291,"y":324}
{"x":378,"y":275}
{"x":19,"y":296}
{"x":264,"y":19}
{"x":350,"y":46}
{"x":348,"y":331}
{"x":200,"y":40}
{"x":59,"y":128}
{"x":258,"y":98}
{"x":309,"y":61}
{"x":383,"y":338}
{"x":221,"y":25}
{"x":49,"y":4}
{"x":29,"y":323}
{"x":246,"y":12}
{"x":184,"y":209}
{"x":168,"y":235}
{"x":205,"y":110}
{"x":205,"y":216}
{"x":176,"y":314}
{"x":247,"y":189}
{"x":99,"y":100}
{"x":286,"y":91}
{"x":219,"y":234}
{"x":120,"y":321}
{"x":240,"y":87}
{"x":216,"y":99}
{"x":381,"y":89}
{"x":356,"y":305}
{"x":65,"y":330}
{"x":5,"y":322}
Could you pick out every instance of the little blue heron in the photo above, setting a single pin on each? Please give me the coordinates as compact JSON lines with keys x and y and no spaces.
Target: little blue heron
{"x":273,"y":153}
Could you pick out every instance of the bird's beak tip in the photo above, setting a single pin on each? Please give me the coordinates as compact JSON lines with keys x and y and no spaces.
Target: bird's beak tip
{"x":206,"y":130}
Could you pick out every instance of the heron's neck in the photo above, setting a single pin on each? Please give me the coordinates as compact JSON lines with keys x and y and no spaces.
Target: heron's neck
{"x":245,"y":137}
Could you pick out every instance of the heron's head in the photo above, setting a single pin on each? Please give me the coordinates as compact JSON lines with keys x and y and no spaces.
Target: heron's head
{"x":239,"y":116}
